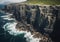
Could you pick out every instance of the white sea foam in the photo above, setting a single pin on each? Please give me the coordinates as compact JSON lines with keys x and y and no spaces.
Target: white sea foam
{"x":10,"y":27}
{"x":7,"y":17}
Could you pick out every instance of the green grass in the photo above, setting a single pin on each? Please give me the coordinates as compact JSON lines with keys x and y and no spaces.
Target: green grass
{"x":44,"y":2}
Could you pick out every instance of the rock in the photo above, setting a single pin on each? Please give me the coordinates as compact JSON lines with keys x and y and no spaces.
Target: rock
{"x":34,"y":18}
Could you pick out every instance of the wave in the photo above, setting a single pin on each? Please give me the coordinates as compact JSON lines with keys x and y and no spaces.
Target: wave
{"x":10,"y":27}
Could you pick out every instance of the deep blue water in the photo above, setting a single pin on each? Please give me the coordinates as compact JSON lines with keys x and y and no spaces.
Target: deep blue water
{"x":5,"y":36}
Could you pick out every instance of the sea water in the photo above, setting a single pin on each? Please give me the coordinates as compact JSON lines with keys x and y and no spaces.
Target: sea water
{"x":9,"y":33}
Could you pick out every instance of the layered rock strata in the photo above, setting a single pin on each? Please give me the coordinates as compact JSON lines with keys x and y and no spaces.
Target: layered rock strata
{"x":34,"y":18}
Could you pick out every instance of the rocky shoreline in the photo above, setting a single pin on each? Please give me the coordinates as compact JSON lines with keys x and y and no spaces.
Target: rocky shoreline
{"x":36,"y":19}
{"x":43,"y":38}
{"x":27,"y":27}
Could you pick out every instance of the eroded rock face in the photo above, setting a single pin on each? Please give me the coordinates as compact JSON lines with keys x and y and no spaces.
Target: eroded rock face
{"x":42,"y":18}
{"x":35,"y":18}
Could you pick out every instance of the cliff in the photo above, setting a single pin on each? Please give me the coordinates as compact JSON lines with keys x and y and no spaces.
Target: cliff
{"x":34,"y":18}
{"x":41,"y":17}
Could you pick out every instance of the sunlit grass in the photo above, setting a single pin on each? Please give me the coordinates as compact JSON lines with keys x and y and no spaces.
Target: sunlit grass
{"x":44,"y":2}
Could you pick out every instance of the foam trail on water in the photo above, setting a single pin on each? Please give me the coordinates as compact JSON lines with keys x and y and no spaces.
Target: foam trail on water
{"x":7,"y":17}
{"x":10,"y":27}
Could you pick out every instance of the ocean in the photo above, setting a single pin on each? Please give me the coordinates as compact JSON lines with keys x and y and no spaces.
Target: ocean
{"x":5,"y":36}
{"x":9,"y":33}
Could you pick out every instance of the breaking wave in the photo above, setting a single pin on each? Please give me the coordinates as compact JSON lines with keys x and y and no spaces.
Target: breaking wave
{"x":10,"y":27}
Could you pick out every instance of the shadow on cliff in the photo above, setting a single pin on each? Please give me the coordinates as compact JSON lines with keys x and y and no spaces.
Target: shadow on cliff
{"x":55,"y":35}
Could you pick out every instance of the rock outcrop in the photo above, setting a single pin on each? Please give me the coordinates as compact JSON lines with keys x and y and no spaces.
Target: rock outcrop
{"x":34,"y":18}
{"x":41,"y":17}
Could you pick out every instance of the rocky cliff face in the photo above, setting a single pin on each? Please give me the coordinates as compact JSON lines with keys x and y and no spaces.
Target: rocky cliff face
{"x":42,"y":18}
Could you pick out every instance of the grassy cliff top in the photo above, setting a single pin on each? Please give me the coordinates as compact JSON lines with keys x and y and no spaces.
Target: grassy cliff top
{"x":44,"y":2}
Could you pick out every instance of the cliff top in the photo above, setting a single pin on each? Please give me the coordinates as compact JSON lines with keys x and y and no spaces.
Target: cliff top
{"x":44,"y":2}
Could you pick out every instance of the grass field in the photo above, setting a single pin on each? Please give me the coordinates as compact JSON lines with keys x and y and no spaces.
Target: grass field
{"x":44,"y":2}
